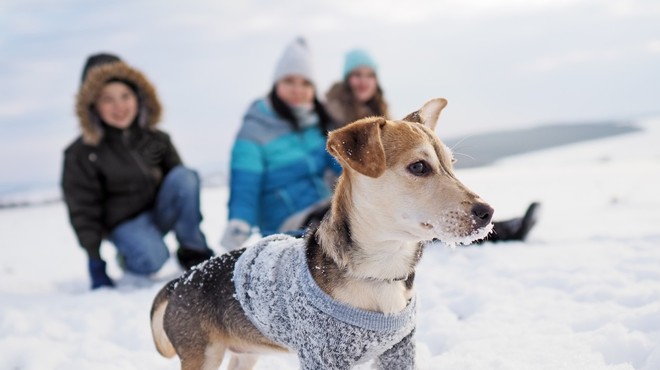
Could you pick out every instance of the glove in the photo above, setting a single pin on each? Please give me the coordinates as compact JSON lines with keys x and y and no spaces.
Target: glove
{"x":98,"y":274}
{"x":236,"y":233}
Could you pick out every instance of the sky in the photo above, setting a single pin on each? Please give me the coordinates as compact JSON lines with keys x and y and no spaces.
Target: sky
{"x":501,"y":64}
{"x":583,"y":292}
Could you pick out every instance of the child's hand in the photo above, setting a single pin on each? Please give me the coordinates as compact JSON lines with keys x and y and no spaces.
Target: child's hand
{"x":236,"y":233}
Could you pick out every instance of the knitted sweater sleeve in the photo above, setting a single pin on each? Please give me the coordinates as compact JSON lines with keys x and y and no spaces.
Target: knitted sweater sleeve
{"x":400,"y":357}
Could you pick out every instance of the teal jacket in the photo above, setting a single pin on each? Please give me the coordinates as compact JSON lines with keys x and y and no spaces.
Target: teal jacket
{"x":275,"y":171}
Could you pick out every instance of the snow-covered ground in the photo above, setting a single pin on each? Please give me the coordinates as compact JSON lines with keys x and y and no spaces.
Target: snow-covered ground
{"x":582,"y":293}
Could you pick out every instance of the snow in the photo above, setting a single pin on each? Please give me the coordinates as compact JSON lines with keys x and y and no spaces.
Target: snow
{"x":582,"y":293}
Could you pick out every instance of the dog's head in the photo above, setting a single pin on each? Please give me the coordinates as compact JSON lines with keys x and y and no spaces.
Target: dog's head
{"x":400,"y":180}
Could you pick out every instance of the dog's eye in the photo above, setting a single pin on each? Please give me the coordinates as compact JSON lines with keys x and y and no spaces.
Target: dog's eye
{"x":419,"y":168}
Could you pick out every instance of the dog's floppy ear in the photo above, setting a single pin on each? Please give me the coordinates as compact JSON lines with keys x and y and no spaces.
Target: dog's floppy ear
{"x":359,"y":146}
{"x":428,"y":114}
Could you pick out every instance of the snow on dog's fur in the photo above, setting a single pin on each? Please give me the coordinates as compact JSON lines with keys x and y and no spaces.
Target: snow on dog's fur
{"x":397,"y":191}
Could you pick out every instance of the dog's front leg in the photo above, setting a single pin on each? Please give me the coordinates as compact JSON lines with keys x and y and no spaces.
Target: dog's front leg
{"x":243,"y":361}
{"x":325,"y":357}
{"x":400,"y":357}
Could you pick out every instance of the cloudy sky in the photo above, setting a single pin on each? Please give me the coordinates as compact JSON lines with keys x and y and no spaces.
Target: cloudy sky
{"x":501,"y":64}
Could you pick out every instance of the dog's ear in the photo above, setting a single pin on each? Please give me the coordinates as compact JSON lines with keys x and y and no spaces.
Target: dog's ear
{"x":359,"y":146}
{"x":428,"y":114}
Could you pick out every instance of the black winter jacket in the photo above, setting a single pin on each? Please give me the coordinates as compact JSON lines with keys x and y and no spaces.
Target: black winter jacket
{"x":114,"y":181}
{"x":112,"y":175}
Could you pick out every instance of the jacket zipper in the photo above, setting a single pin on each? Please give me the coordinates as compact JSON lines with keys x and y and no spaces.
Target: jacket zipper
{"x":136,"y":157}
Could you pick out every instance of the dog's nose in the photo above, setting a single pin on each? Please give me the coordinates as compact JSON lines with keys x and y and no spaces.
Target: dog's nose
{"x":482,"y":213}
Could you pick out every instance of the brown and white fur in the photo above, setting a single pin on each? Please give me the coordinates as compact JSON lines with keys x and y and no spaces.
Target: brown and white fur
{"x":397,"y":190}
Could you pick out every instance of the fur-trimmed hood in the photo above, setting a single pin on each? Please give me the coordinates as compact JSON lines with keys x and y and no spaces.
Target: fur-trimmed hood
{"x":343,"y":108}
{"x":149,"y":111}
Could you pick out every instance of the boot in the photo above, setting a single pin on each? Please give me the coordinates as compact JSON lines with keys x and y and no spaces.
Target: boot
{"x":191,"y":257}
{"x":516,"y":228}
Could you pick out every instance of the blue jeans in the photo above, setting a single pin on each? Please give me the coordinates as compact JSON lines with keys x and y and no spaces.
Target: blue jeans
{"x":140,"y":240}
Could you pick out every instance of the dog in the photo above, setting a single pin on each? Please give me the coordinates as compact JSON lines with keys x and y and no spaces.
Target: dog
{"x":344,"y":294}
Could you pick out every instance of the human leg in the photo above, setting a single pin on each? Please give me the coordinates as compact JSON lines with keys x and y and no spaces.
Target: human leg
{"x":308,"y":221}
{"x":178,"y":208}
{"x":140,"y":243}
{"x":515,"y":228}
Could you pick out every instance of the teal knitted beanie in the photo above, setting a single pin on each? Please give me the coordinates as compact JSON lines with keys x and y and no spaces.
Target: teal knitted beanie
{"x":358,"y":58}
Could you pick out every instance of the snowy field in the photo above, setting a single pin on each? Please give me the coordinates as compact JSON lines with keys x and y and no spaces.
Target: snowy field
{"x":582,"y":293}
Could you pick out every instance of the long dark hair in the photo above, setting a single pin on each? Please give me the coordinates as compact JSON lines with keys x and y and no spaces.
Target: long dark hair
{"x":284,"y":111}
{"x":377,"y":104}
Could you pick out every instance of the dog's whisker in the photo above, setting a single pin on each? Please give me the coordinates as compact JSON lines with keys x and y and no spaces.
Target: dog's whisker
{"x":465,"y":155}
{"x":455,"y":148}
{"x":459,"y":142}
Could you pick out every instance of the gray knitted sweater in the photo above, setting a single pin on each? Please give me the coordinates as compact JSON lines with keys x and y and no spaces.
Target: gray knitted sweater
{"x":280,"y":297}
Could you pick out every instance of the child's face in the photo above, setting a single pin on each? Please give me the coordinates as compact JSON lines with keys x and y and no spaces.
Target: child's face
{"x":117,"y":105}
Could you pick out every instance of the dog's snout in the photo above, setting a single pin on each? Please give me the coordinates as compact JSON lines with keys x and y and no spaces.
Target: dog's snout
{"x":482,"y":214}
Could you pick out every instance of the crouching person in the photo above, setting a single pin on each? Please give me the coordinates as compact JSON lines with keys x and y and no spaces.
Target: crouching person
{"x":123,"y":179}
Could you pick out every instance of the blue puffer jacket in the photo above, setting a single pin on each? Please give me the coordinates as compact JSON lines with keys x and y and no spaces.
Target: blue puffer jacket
{"x":275,"y":171}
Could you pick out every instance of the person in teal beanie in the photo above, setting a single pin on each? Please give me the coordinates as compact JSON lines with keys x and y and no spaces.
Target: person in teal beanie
{"x":358,"y":94}
{"x":278,"y":160}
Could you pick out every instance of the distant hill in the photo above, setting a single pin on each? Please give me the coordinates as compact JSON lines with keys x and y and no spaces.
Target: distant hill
{"x":486,"y":148}
{"x":471,"y":151}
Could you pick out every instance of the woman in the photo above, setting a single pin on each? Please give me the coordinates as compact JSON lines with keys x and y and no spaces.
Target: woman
{"x":123,"y":179}
{"x":279,"y":159}
{"x":359,"y":95}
